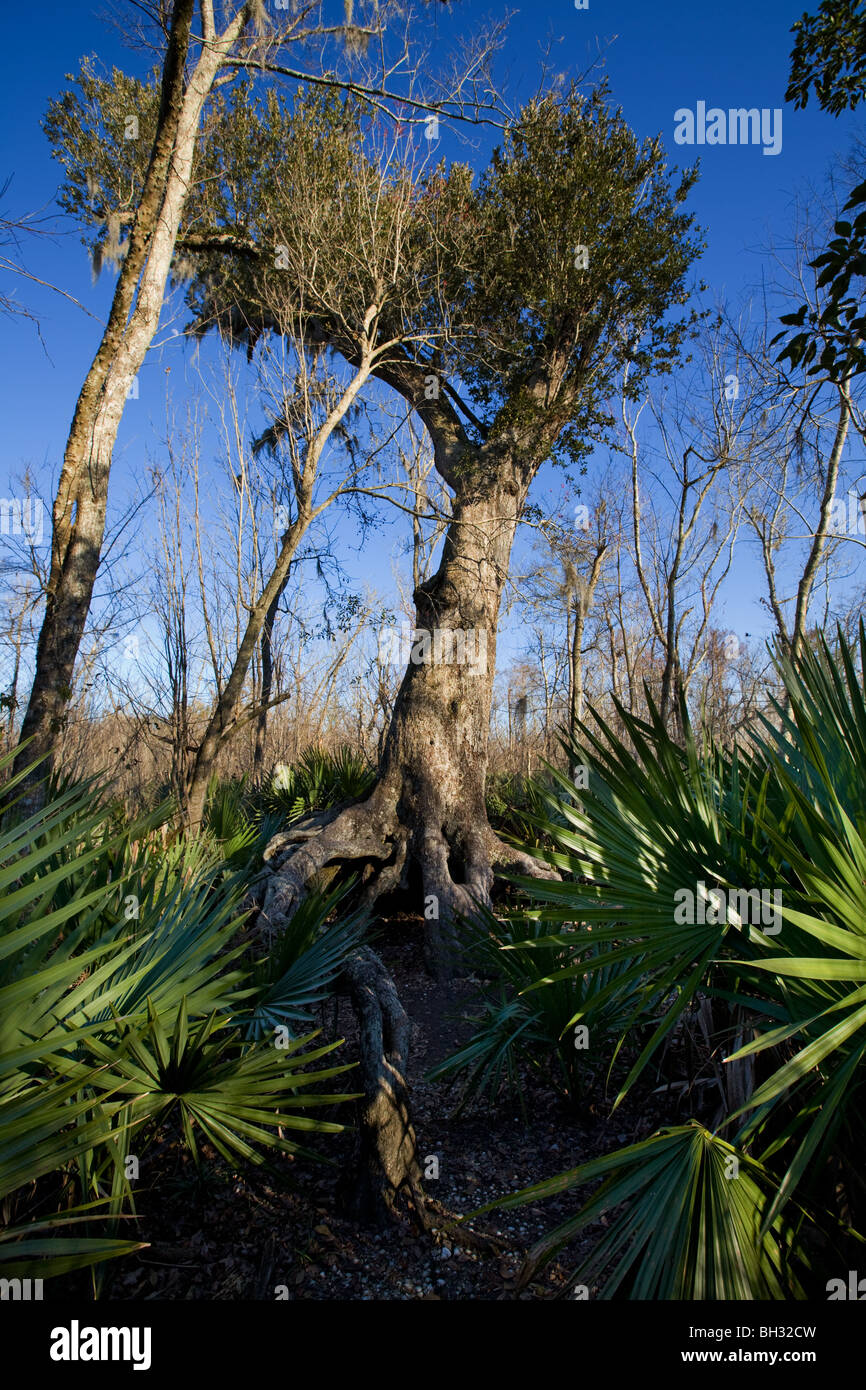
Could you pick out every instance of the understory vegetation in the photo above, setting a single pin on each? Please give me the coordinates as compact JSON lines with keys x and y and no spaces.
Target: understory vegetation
{"x":132,"y":999}
{"x":129,"y":1002}
{"x":761,"y":1193}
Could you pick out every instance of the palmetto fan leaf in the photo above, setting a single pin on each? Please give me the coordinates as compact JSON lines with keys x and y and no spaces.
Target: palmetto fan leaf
{"x":235,"y":1095}
{"x":788,"y":814}
{"x":649,"y":823}
{"x":122,"y":997}
{"x":303,"y":965}
{"x":317,"y":781}
{"x":684,"y":1215}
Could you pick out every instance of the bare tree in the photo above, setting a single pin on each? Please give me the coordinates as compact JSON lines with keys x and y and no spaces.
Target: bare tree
{"x":682,"y":557}
{"x":791,"y":475}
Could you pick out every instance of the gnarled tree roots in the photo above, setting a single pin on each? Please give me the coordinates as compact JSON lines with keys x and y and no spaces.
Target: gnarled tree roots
{"x":456,"y":854}
{"x":455,"y":851}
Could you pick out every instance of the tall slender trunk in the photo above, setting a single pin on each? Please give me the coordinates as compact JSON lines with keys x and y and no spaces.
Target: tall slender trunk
{"x":80,"y":504}
{"x":822,"y":530}
{"x":222,"y":720}
{"x":267,"y":650}
{"x":575,"y":666}
{"x":584,"y":596}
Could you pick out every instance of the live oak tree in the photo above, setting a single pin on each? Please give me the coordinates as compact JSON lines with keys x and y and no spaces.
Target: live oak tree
{"x":829,"y":56}
{"x":522,"y":296}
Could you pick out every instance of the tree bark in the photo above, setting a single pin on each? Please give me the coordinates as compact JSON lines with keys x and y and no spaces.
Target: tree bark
{"x":267,"y":654}
{"x":222,"y":723}
{"x":428,"y":810}
{"x":584,"y":596}
{"x":80,"y":504}
{"x":386,"y":1164}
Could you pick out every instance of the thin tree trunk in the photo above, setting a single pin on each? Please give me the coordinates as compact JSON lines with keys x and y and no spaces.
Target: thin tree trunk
{"x":583,"y":600}
{"x":819,"y":541}
{"x":80,"y":504}
{"x":222,"y":722}
{"x":575,"y":703}
{"x":267,"y":651}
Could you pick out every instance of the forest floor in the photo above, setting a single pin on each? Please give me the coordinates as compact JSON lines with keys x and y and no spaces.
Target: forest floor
{"x":259,"y":1234}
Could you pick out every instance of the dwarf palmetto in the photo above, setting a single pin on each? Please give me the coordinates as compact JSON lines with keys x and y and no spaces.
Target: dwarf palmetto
{"x":126,"y":997}
{"x":788,"y":813}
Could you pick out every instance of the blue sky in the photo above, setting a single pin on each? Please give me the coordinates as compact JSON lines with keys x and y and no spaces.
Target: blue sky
{"x":664,"y":56}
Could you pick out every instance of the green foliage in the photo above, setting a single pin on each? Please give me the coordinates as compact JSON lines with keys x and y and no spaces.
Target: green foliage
{"x":294,"y":225}
{"x":238,"y":827}
{"x":125,"y":999}
{"x":317,"y":781}
{"x":829,"y":55}
{"x":829,"y":340}
{"x":512,"y":802}
{"x":789,"y":814}
{"x":571,"y":174}
{"x":682,"y":1222}
{"x":102,"y":130}
{"x":570,"y":253}
{"x":522,"y":1027}
{"x":300,"y":969}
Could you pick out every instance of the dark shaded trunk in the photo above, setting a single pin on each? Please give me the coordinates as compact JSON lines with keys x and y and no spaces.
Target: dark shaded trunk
{"x":266,"y":646}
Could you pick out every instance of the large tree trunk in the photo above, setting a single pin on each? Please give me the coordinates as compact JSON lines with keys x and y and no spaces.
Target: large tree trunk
{"x":428,"y":808}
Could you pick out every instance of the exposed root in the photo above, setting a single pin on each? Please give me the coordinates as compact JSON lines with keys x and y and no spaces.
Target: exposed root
{"x":386,"y":1165}
{"x":456,"y":863}
{"x":281,"y":845}
{"x":391,"y":876}
{"x":437,"y":1218}
{"x":359,"y":832}
{"x":505,"y":856}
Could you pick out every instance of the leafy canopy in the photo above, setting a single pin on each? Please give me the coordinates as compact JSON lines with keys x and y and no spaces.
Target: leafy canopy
{"x":524,"y":288}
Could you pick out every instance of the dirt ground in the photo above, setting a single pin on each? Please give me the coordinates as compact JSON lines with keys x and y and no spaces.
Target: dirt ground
{"x":255,"y":1234}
